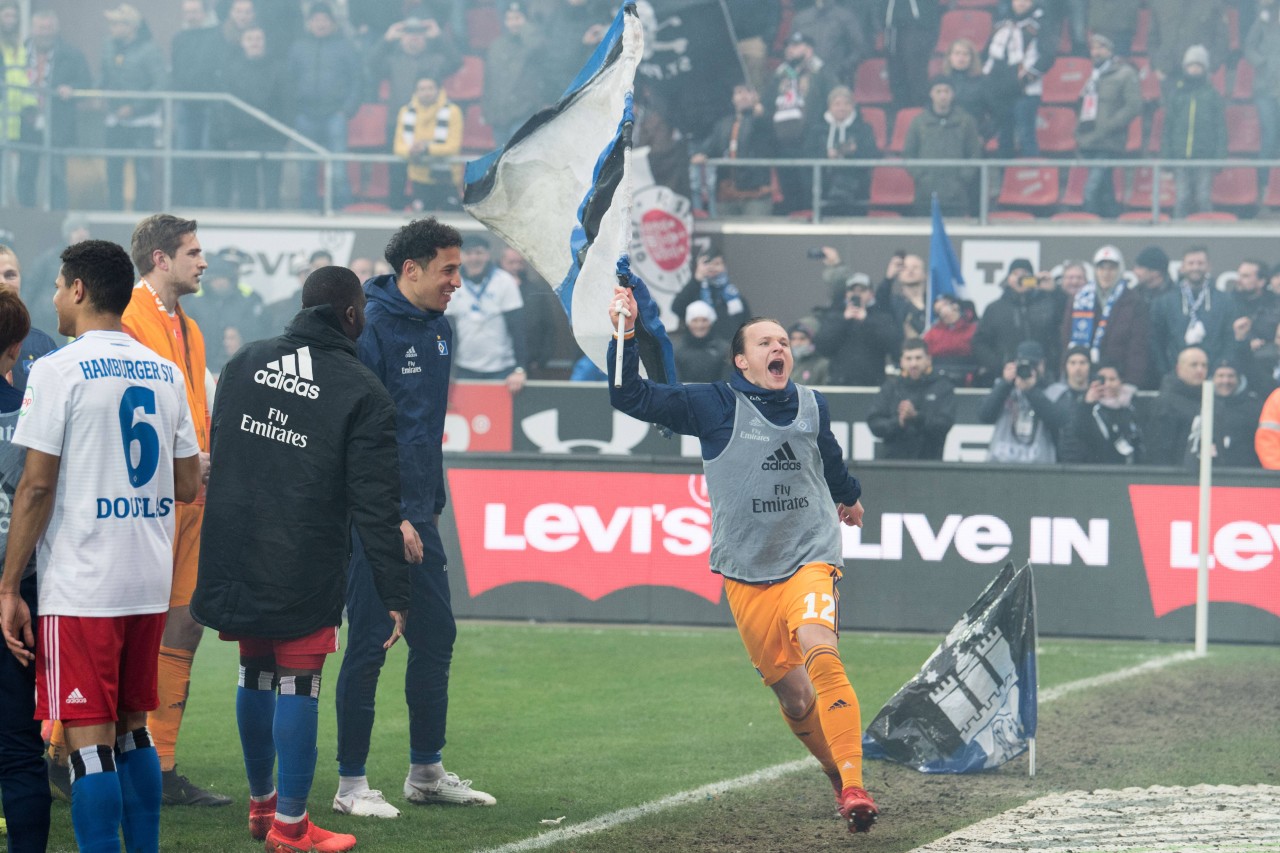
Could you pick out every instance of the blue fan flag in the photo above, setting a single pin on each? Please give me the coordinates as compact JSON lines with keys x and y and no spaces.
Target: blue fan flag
{"x":944,"y":268}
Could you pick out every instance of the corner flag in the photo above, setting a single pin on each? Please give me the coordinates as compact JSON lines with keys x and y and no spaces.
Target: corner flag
{"x":560,"y":193}
{"x":973,"y":705}
{"x":944,"y":269}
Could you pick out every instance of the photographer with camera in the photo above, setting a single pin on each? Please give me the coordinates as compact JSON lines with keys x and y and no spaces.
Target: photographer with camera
{"x":856,"y":335}
{"x":1023,"y":312}
{"x":1026,"y":421}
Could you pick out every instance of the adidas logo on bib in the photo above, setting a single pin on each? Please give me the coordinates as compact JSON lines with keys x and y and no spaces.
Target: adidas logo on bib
{"x":290,"y":373}
{"x":782,"y":459}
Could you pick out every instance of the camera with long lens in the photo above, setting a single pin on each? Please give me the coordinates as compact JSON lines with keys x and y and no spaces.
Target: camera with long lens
{"x":1025,"y":369}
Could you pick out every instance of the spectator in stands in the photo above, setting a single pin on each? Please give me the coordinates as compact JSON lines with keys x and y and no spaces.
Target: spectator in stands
{"x":429,"y":129}
{"x":131,"y":62}
{"x":1151,"y":274}
{"x":796,"y":100}
{"x":574,"y":28}
{"x":1110,"y":101}
{"x":261,"y":81}
{"x":963,"y":69}
{"x":1104,"y":426}
{"x":1026,"y":421}
{"x":1177,"y":407}
{"x":223,"y":305}
{"x":1022,"y":313}
{"x":1195,"y":128}
{"x":42,"y":275}
{"x":1257,"y":310}
{"x":487,"y":314}
{"x":410,"y":50}
{"x":1117,"y":20}
{"x":904,"y":291}
{"x":1262,"y":49}
{"x":747,"y":133}
{"x":843,"y":134}
{"x":1069,"y":392}
{"x":1074,"y":277}
{"x":54,"y":63}
{"x":668,"y":148}
{"x":546,"y":323}
{"x":1236,"y":409}
{"x":941,"y":132}
{"x":36,"y":343}
{"x":910,"y":32}
{"x":755,"y":23}
{"x":711,"y":284}
{"x":1013,"y":80}
{"x":328,"y":79}
{"x":857,"y":335}
{"x":1109,"y":318}
{"x":13,"y":74}
{"x":1266,"y":440}
{"x":913,"y":411}
{"x":837,"y":38}
{"x":514,"y":86}
{"x":362,"y":267}
{"x":950,"y":340}
{"x":1177,"y":25}
{"x":699,"y":355}
{"x":1073,"y":13}
{"x":1262,"y":366}
{"x":808,"y":367}
{"x":1194,"y":314}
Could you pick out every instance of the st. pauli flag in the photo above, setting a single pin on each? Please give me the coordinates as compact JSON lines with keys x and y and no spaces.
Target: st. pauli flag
{"x":560,"y":194}
{"x":973,"y":705}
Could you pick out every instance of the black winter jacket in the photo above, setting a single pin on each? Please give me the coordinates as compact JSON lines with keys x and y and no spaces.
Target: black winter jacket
{"x":303,"y":446}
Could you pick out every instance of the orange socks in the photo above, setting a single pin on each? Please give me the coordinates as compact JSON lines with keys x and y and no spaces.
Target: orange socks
{"x":173,"y":685}
{"x":837,"y":711}
{"x":808,"y":729}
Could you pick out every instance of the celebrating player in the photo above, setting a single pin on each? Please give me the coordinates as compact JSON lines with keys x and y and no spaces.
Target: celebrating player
{"x":779,"y":490}
{"x":111,"y":448}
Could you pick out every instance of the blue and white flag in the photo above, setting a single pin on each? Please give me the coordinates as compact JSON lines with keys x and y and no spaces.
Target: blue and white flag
{"x":973,"y":705}
{"x":560,"y":193}
{"x":944,"y":268}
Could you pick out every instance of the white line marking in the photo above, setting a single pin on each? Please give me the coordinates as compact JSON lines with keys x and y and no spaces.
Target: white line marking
{"x":612,"y":819}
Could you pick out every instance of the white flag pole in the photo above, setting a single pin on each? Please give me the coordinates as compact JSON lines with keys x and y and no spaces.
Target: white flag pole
{"x":1206,"y":481}
{"x":633,"y":48}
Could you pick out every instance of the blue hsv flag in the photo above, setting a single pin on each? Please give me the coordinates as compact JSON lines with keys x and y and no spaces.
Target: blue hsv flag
{"x":944,"y":269}
{"x":560,"y":194}
{"x":974,"y":704}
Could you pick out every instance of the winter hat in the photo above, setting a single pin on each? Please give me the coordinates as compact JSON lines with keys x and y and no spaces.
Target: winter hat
{"x":1030,"y":351}
{"x":1152,"y":258}
{"x":699,"y":309}
{"x":1197,"y":54}
{"x":1108,"y":253}
{"x":858,"y":279}
{"x":804,"y":327}
{"x":1100,"y":39}
{"x":1021,"y":264}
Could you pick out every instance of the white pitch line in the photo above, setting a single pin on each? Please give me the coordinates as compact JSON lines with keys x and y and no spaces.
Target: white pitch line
{"x":612,"y":819}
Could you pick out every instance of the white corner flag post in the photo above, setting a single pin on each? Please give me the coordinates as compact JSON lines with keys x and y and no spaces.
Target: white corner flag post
{"x":625,"y":191}
{"x":1206,"y":481}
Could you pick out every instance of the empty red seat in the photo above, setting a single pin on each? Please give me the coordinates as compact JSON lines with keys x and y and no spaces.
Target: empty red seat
{"x":1140,"y":216}
{"x":972,"y":24}
{"x":1236,"y":187}
{"x":901,"y":123}
{"x":1141,"y":188}
{"x":477,"y":135}
{"x":1271,"y":198}
{"x":1075,"y":216}
{"x":1154,"y":139}
{"x":368,"y":127}
{"x":875,"y":117}
{"x":1029,"y":186}
{"x":1242,"y":85}
{"x":1056,"y":130}
{"x":1212,"y":216}
{"x":1134,"y":142}
{"x":1066,"y":79}
{"x":467,"y":83}
{"x":871,"y":82}
{"x":1244,"y":136}
{"x":1010,"y":216}
{"x":892,"y":186}
{"x":1073,"y":192}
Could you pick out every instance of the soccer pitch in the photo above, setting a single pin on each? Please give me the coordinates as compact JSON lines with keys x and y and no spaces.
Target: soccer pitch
{"x":579,"y":722}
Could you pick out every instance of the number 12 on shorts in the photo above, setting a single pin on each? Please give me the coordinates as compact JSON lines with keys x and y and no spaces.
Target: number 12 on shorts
{"x":828,"y":613}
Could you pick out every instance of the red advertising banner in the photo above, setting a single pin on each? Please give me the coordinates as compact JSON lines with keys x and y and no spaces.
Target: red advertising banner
{"x":591,"y":532}
{"x":1244,"y":548}
{"x":479,"y":418}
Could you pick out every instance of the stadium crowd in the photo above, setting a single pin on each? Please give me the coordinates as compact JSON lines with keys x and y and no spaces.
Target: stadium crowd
{"x":843,"y":80}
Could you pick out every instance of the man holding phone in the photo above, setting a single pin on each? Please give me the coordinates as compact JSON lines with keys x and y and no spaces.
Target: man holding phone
{"x":1023,"y":312}
{"x":857,"y":335}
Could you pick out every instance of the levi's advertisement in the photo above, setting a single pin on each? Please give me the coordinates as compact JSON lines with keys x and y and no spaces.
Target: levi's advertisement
{"x":1112,"y":558}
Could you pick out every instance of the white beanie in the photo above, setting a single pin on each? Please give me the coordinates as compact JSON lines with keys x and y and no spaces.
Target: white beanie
{"x":697,"y":309}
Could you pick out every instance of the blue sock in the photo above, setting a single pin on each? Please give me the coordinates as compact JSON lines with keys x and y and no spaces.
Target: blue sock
{"x":416,"y":757}
{"x":96,"y":801}
{"x":297,"y":719}
{"x":138,"y":767}
{"x":255,"y":716}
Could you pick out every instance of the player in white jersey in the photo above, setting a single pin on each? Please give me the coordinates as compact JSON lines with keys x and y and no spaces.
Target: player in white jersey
{"x":110,"y":448}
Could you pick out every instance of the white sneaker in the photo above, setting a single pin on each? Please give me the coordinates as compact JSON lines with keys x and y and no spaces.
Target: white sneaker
{"x":449,"y":790}
{"x":366,"y":803}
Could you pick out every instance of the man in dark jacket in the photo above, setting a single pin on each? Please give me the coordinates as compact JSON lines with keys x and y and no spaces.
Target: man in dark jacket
{"x":1022,"y":313}
{"x":408,"y":345}
{"x":914,"y":411}
{"x":1195,"y":128}
{"x":1109,"y":317}
{"x":942,"y":132}
{"x":256,"y":77}
{"x":51,"y":62}
{"x":1176,"y":408}
{"x":747,"y":133}
{"x":710,"y":283}
{"x":293,"y":410}
{"x":131,"y":61}
{"x":857,"y":335}
{"x":1195,"y":313}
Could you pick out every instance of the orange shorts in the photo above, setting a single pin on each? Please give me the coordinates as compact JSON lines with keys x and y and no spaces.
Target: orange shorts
{"x":768,"y":615}
{"x":186,"y":552}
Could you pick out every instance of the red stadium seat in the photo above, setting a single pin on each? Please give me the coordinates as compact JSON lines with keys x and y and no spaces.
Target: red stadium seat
{"x":892,"y":186}
{"x":1244,"y":136}
{"x":366,"y":207}
{"x":1140,"y":190}
{"x":973,"y":24}
{"x":476,"y":133}
{"x":1073,"y":192}
{"x":1236,"y":187}
{"x":1029,"y":186}
{"x":1219,"y":80}
{"x":871,"y":82}
{"x":1212,"y":216}
{"x":875,"y":117}
{"x":901,"y":123}
{"x":1134,"y":142}
{"x":484,"y":24}
{"x":1242,"y":85}
{"x":467,"y":83}
{"x":1075,"y":216}
{"x":884,"y":214}
{"x":975,"y":4}
{"x":1157,"y":131}
{"x":1010,"y":216}
{"x":1147,"y":78}
{"x":1272,"y":196}
{"x":1056,"y":130}
{"x":1141,"y":35}
{"x":1140,"y":216}
{"x":1066,"y":79}
{"x":368,"y":127}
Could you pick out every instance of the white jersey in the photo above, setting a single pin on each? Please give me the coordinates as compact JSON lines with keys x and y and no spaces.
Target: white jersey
{"x":480,"y":332}
{"x":116,"y":413}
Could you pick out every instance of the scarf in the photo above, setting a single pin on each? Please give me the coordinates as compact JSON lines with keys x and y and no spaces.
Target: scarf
{"x":408,"y":127}
{"x":1191,"y":307}
{"x":732,"y":298}
{"x":1089,"y":97}
{"x":836,"y":131}
{"x":1084,"y":318}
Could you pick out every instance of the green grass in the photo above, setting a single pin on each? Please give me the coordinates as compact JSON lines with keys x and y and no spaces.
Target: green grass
{"x":555,"y":721}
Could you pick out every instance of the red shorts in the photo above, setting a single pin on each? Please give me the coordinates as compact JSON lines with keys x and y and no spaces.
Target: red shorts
{"x":306,"y":652}
{"x":92,"y":670}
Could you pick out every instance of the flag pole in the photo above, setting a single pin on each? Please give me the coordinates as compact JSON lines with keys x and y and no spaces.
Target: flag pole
{"x":1206,"y":482}
{"x":625,"y":193}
